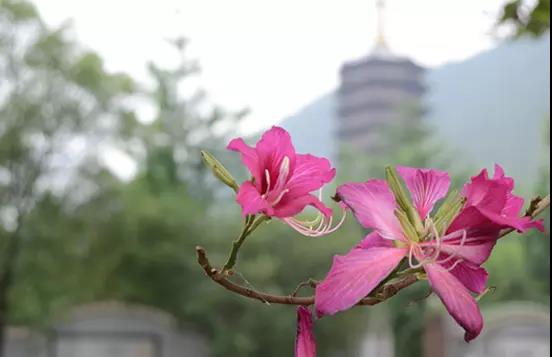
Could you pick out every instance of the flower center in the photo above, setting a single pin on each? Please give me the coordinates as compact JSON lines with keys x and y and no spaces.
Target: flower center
{"x":275,"y":194}
{"x":430,"y":250}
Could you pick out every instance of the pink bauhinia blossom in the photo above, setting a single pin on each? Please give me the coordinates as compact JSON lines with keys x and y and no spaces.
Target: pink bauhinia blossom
{"x":450,"y":251}
{"x":305,"y":343}
{"x":283,"y":182}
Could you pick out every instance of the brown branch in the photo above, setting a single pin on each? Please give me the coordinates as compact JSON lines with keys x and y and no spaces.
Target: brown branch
{"x":223,"y":280}
{"x":538,"y":206}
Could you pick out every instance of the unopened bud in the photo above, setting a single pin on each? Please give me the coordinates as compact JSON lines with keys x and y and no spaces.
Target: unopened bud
{"x":402,"y":199}
{"x":219,"y":170}
{"x":448,"y":211}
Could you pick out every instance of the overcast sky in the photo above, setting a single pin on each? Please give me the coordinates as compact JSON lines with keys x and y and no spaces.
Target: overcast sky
{"x":273,"y":56}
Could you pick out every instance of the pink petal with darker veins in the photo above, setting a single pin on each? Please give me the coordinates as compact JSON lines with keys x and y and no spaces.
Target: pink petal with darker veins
{"x":427,"y":186}
{"x":470,"y":275}
{"x":292,"y":206}
{"x":374,"y":240}
{"x":310,"y":174}
{"x":249,"y":158}
{"x":273,"y":148}
{"x":461,"y":305}
{"x":251,"y":201}
{"x":353,"y":276}
{"x":374,"y":206}
{"x":305,"y":342}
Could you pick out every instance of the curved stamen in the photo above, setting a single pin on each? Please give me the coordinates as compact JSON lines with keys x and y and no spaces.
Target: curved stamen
{"x":325,"y":225}
{"x":456,"y":251}
{"x":268,"y":183}
{"x":280,"y":197}
{"x":456,"y":263}
{"x":411,"y":256}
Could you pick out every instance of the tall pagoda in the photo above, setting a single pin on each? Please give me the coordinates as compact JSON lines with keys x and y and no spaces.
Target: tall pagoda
{"x":372,"y":91}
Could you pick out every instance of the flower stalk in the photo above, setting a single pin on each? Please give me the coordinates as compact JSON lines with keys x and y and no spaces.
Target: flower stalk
{"x":251,"y":224}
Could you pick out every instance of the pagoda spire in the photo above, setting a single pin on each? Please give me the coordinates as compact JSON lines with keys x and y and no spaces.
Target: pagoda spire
{"x":380,"y":39}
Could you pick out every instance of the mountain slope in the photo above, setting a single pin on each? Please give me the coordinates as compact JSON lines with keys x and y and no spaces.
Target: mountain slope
{"x":490,"y":108}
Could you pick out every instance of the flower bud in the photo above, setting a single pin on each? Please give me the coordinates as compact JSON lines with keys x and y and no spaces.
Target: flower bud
{"x":219,"y":170}
{"x":450,"y":208}
{"x":402,"y":199}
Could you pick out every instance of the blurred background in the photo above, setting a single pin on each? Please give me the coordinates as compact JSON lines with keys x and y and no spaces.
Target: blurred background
{"x":103,"y":111}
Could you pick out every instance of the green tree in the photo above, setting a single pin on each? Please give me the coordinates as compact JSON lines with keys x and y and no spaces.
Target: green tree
{"x":527,"y":19}
{"x":54,"y":95}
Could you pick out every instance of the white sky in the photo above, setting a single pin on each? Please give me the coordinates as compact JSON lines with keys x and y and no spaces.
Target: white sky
{"x":273,"y":56}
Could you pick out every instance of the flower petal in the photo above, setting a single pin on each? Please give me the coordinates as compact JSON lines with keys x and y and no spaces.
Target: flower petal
{"x":475,"y":247}
{"x":249,"y":158}
{"x":292,"y":206}
{"x":353,"y":276}
{"x":489,"y":194}
{"x":459,"y":302}
{"x":251,"y":201}
{"x":310,"y":174}
{"x":427,"y":186}
{"x":305,"y":342}
{"x":374,"y":206}
{"x":471,"y":276}
{"x":272,"y":149}
{"x":374,"y":240}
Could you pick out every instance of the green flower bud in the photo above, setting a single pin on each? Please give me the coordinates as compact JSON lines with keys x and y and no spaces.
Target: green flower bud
{"x":448,"y":211}
{"x":219,"y":170}
{"x":404,"y":202}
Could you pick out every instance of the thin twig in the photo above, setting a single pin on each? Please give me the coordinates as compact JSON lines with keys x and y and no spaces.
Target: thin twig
{"x":222,"y":280}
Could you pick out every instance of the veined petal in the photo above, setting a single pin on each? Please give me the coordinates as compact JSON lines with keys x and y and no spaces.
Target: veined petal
{"x":457,"y":299}
{"x":353,"y":276}
{"x":374,"y":206}
{"x":251,"y":201}
{"x":292,"y":206}
{"x":374,"y":240}
{"x":310,"y":174}
{"x":470,"y":275}
{"x":427,"y":186}
{"x":475,"y":247}
{"x":489,"y":194}
{"x":305,"y":342}
{"x":475,"y":223}
{"x":477,"y":253}
{"x":249,"y":158}
{"x":272,"y":150}
{"x":514,"y":205}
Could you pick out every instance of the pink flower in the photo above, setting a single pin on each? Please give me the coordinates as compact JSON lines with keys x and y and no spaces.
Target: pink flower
{"x":283,"y":181}
{"x":305,"y":343}
{"x":451,"y":256}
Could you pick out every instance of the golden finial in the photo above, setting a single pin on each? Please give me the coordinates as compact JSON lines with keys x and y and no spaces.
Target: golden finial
{"x":380,"y":39}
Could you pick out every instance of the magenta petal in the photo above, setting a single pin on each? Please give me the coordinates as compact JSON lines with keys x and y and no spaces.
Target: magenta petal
{"x":488,"y":194}
{"x":471,"y":276}
{"x":427,"y":186}
{"x":353,"y":276}
{"x":457,"y":299}
{"x":251,"y":201}
{"x":374,"y":240}
{"x":249,"y":158}
{"x":273,"y":148}
{"x":374,"y":206}
{"x":305,"y":342}
{"x":310,"y":174}
{"x":290,"y":206}
{"x":476,"y":248}
{"x":475,"y":223}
